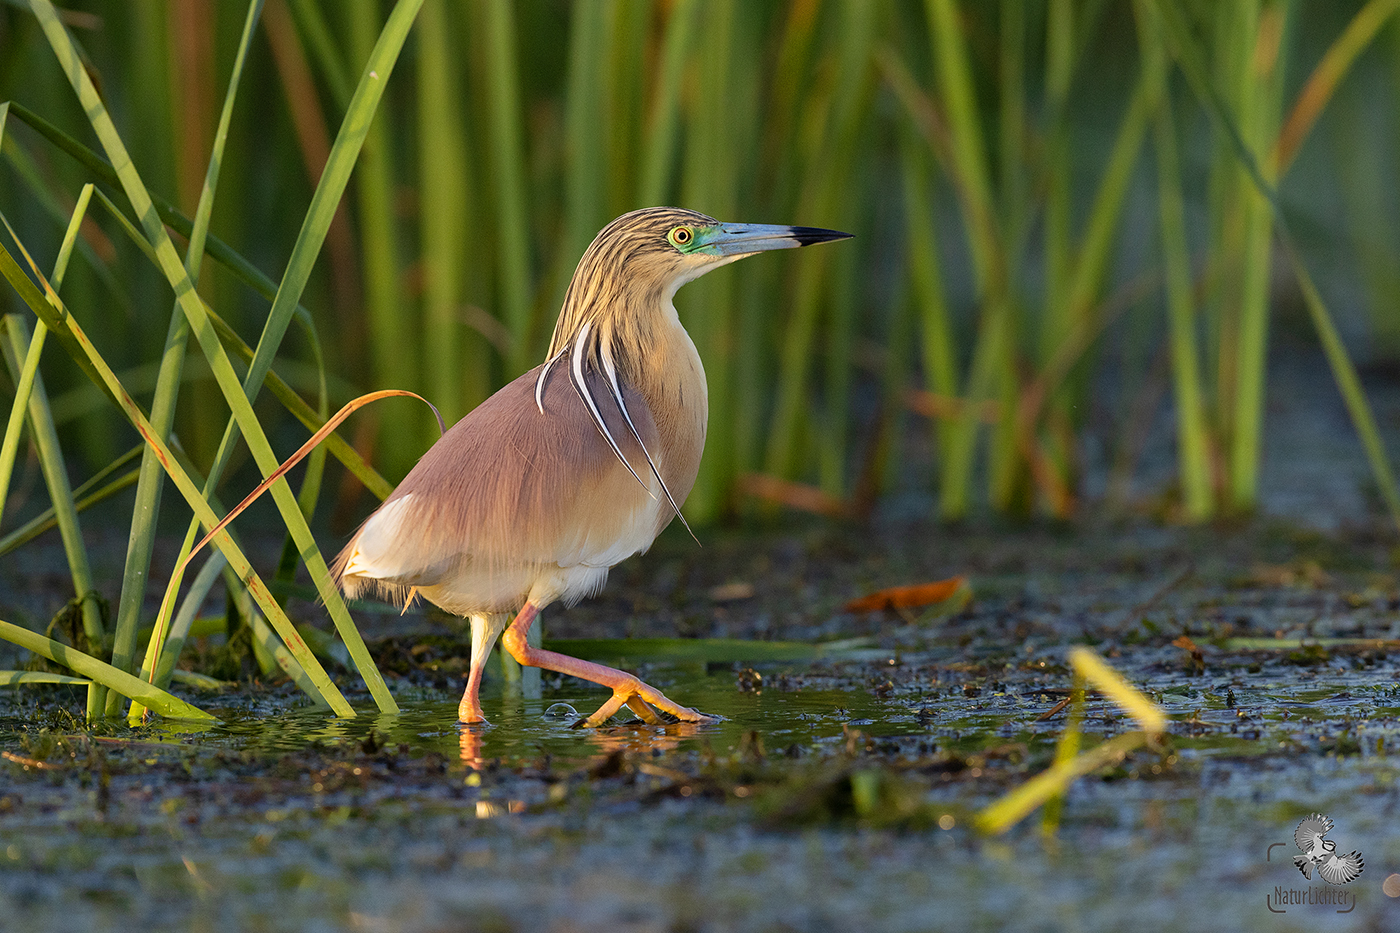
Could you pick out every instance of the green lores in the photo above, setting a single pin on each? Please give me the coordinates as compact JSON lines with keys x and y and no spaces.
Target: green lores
{"x":743,"y":239}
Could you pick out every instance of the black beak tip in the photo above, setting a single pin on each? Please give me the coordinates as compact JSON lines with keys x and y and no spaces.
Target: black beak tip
{"x":806,"y":236}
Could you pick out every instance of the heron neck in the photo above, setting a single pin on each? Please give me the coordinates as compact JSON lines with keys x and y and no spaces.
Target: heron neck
{"x":641,"y":335}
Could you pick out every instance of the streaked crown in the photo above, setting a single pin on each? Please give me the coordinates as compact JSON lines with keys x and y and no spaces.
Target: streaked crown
{"x":631,"y":266}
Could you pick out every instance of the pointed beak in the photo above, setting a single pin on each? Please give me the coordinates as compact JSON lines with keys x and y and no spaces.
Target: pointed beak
{"x":744,"y":239}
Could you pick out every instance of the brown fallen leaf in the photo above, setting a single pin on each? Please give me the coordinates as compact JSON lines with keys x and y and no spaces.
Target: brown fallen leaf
{"x":907,"y":597}
{"x":1198,"y":657}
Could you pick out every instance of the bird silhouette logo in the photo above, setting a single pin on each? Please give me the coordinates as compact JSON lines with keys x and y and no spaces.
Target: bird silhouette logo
{"x":1322,"y":854}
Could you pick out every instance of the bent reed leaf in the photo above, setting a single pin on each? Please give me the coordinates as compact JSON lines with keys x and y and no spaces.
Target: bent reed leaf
{"x":58,"y":320}
{"x":103,"y":673}
{"x":158,"y":635}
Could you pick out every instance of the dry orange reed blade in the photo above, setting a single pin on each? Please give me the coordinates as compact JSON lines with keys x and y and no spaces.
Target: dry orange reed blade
{"x":350,"y":408}
{"x":324,"y":431}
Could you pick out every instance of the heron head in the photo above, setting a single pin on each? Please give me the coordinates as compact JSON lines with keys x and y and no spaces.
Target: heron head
{"x":636,"y":263}
{"x":662,"y":248}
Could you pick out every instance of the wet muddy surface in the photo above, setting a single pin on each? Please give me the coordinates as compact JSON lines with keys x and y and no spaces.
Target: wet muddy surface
{"x":838,"y":790}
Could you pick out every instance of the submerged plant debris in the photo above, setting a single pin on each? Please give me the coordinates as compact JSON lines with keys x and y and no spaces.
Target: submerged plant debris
{"x":839,"y":790}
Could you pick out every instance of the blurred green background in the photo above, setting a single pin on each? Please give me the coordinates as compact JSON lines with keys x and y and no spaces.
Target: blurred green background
{"x":1055,"y":217}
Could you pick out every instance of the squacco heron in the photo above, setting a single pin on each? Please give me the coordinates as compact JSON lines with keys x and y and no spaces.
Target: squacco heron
{"x":573,"y":467}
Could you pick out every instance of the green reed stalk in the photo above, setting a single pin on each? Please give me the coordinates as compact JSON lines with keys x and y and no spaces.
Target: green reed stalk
{"x":1095,"y":248}
{"x":710,"y":184}
{"x":367,"y":96}
{"x":773,"y":155}
{"x":199,"y":589}
{"x":496,"y":19}
{"x":23,"y":356}
{"x":969,"y":172}
{"x":100,"y":672}
{"x":663,"y":120}
{"x":627,"y":82}
{"x":1258,"y":101}
{"x":25,"y":377}
{"x":849,"y":130}
{"x":1059,"y":70}
{"x":57,"y":318}
{"x":586,"y":130}
{"x":1348,"y":382}
{"x":145,"y":513}
{"x":14,"y":427}
{"x":938,"y":346}
{"x":840,"y":337}
{"x":330,"y":59}
{"x":1099,"y":241}
{"x":1012,"y":125}
{"x":954,"y":81}
{"x":444,"y":213}
{"x":16,"y":350}
{"x":783,"y":149}
{"x":1191,"y":59}
{"x":1192,"y":429}
{"x":84,"y":497}
{"x":395,"y":350}
{"x":15,"y":678}
{"x":828,"y":191}
{"x":1007,"y":476}
{"x":1227,"y":217}
{"x":1363,"y":169}
{"x":752,"y":296}
{"x":284,"y":393}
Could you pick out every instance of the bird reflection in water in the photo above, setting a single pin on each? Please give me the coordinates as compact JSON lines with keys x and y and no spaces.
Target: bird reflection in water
{"x":623,"y":739}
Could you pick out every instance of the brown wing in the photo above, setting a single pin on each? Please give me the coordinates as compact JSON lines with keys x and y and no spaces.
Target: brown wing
{"x":509,"y":485}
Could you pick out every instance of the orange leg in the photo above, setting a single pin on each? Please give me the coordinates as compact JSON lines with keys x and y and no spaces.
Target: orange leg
{"x":627,"y":688}
{"x":469,"y":710}
{"x":485,"y":629}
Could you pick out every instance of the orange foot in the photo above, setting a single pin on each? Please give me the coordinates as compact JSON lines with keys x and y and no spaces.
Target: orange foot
{"x":628,"y":690}
{"x":644,"y":700}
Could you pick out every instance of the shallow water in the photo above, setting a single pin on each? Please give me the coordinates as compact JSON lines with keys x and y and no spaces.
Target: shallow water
{"x":281,"y":817}
{"x":800,"y":708}
{"x":300,"y":821}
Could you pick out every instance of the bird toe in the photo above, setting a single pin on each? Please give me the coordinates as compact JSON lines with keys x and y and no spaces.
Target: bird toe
{"x":651,"y":706}
{"x":471,"y":715}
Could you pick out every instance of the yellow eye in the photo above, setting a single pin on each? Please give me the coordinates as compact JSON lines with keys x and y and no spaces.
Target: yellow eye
{"x":681,"y":236}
